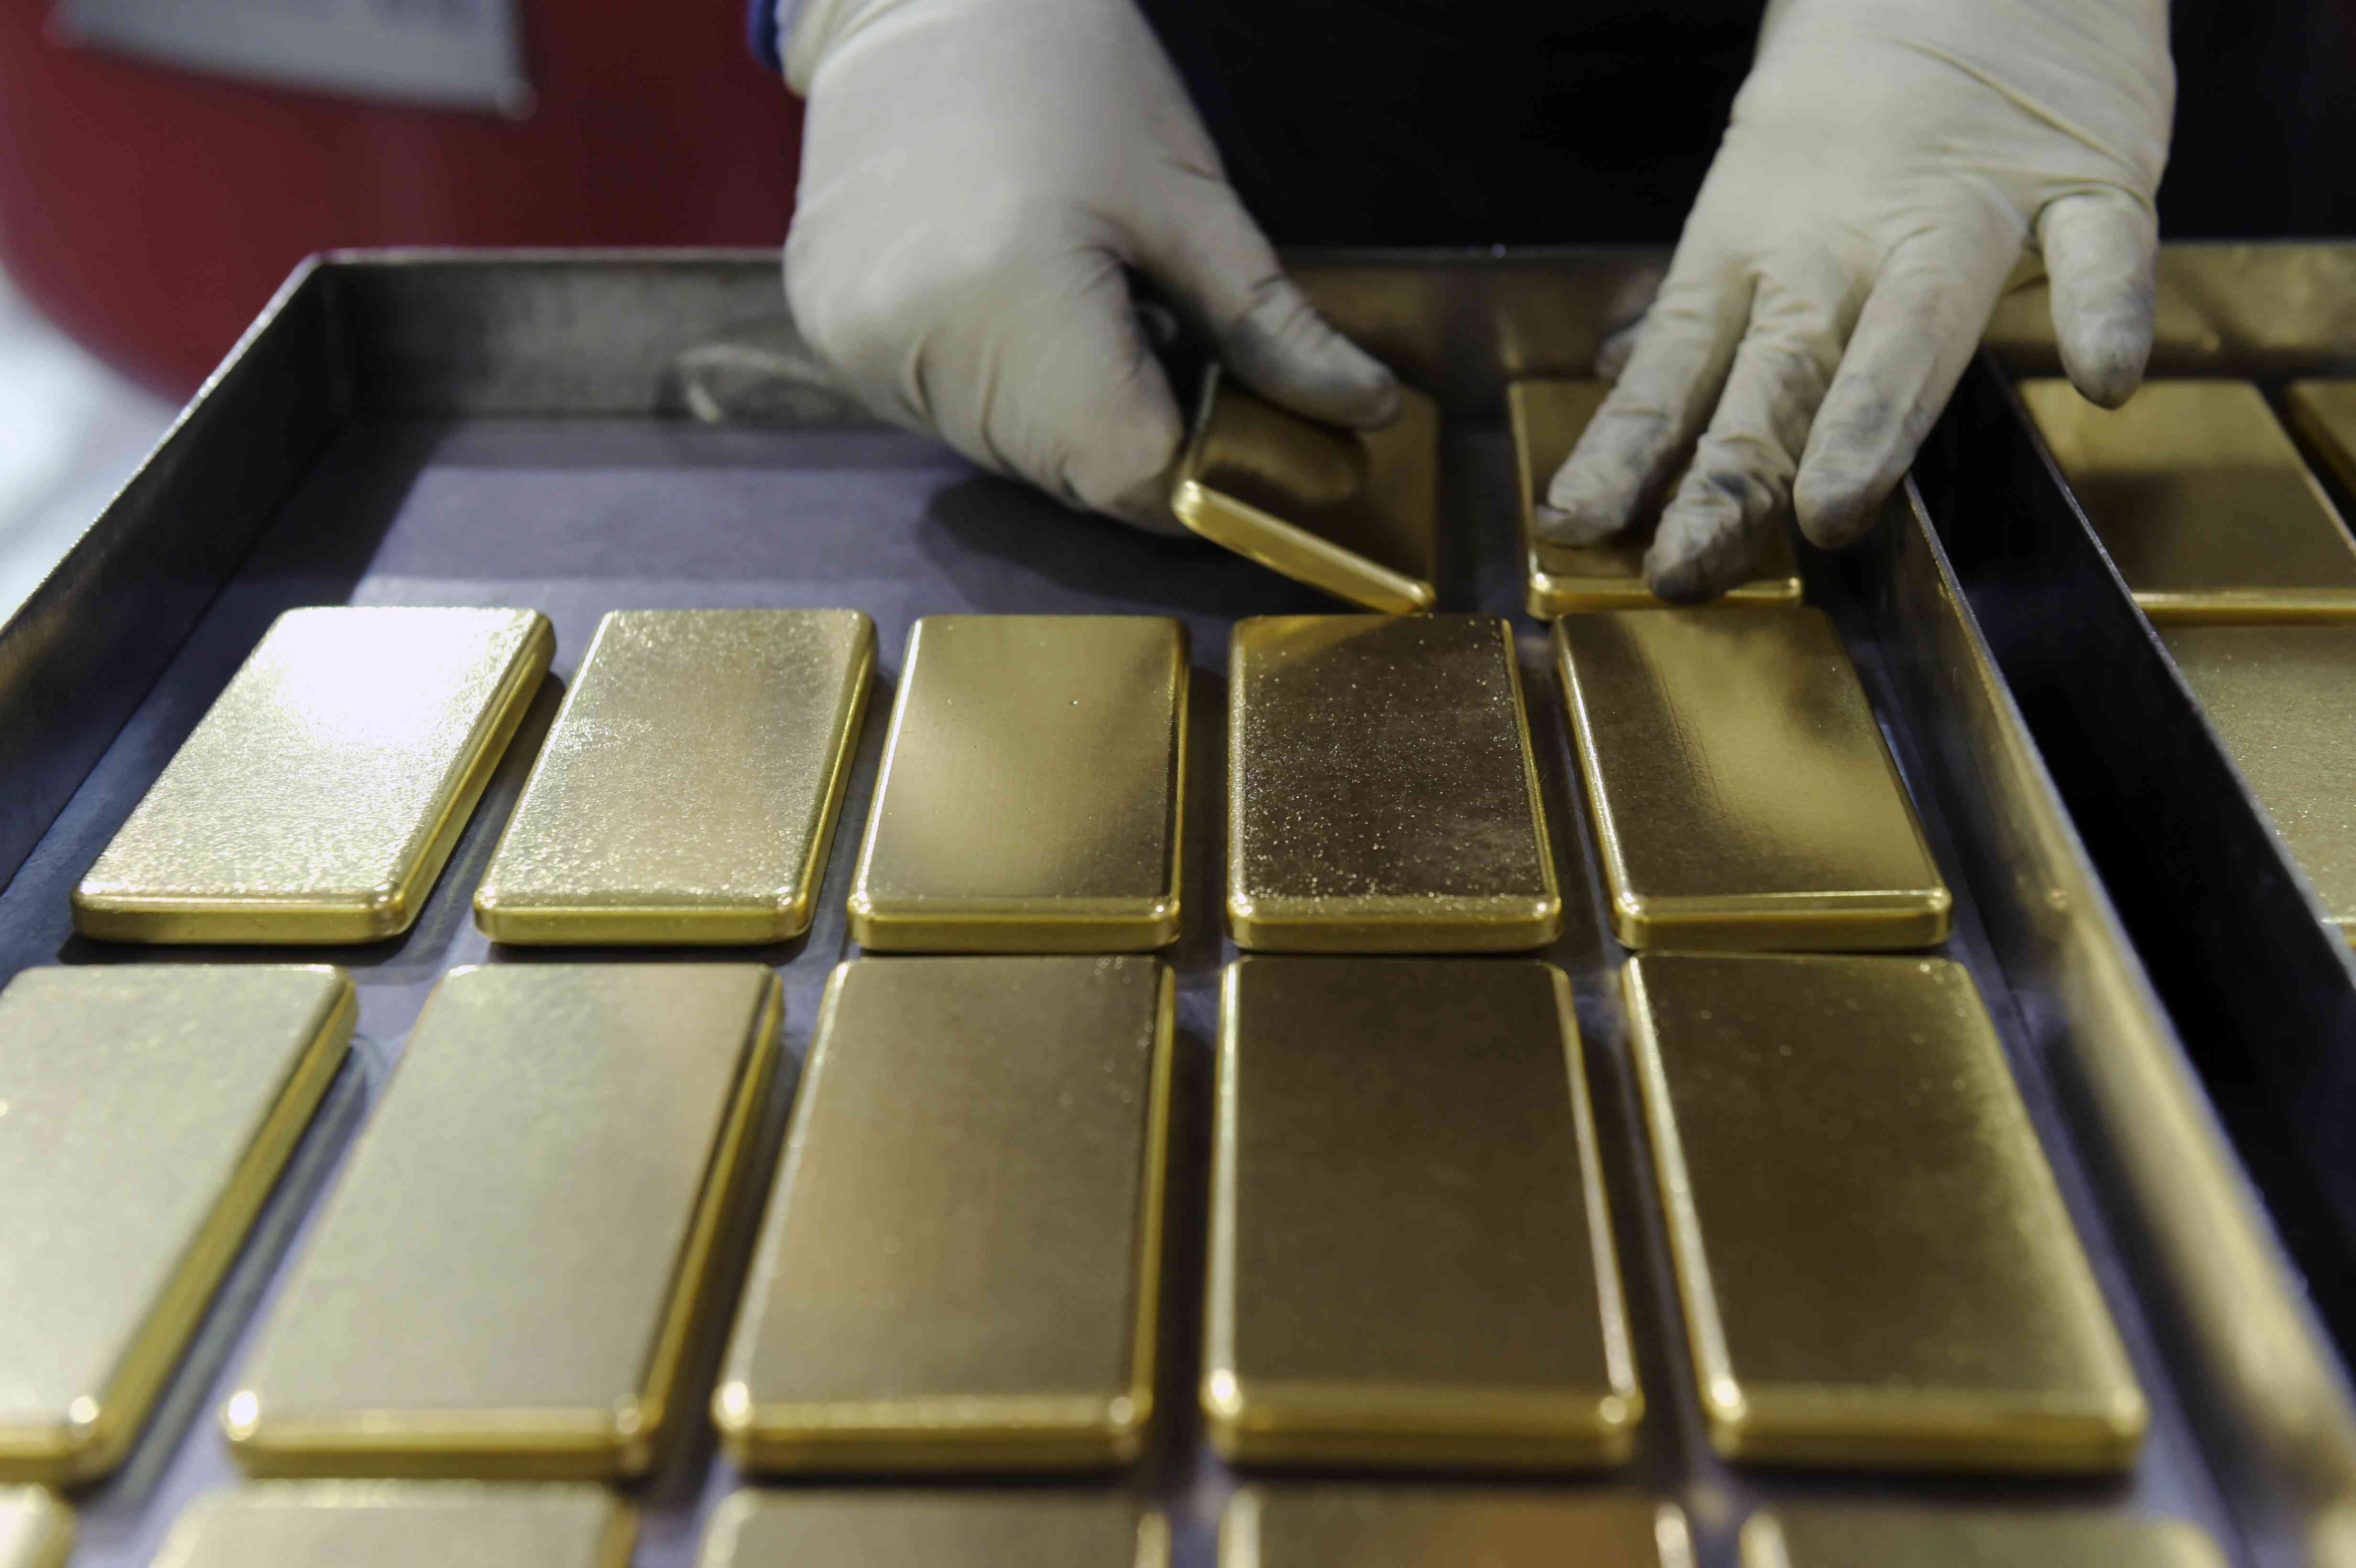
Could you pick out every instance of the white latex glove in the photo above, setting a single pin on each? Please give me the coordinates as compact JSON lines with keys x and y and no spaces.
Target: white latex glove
{"x":1886,"y":164}
{"x":975,"y":176}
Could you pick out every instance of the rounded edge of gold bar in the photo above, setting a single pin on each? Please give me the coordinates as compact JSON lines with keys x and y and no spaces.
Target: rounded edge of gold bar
{"x":2248,"y":607}
{"x":1419,"y":925}
{"x":1553,"y":596}
{"x":1793,"y":923}
{"x":1076,"y":1432}
{"x":644,"y":926}
{"x":437,"y":1444}
{"x":1271,"y":541}
{"x":1108,"y":925}
{"x":1909,"y":1432}
{"x":51,"y":1538}
{"x":1309,"y":1424}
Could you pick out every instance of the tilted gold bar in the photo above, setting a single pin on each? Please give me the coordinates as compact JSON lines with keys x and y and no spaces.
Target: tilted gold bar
{"x":1548,"y":417}
{"x":970,"y":1529}
{"x":515,"y":1265}
{"x":1381,"y":793}
{"x":2202,"y":502}
{"x":2283,"y":699}
{"x":1836,"y":1536}
{"x":401,"y":1524}
{"x":145,"y":1112}
{"x":1363,"y":1527}
{"x":1031,"y":789}
{"x":1740,"y":791}
{"x":318,"y":799}
{"x":2325,"y":412}
{"x":960,"y":1265}
{"x":1356,"y":513}
{"x":1412,"y":1257}
{"x":689,"y":790}
{"x":37,"y":1529}
{"x":1875,"y":1264}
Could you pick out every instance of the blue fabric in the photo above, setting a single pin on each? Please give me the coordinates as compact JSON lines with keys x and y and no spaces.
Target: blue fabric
{"x":761,"y":30}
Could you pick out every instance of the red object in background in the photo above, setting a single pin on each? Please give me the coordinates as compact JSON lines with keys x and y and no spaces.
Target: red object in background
{"x":152,"y":212}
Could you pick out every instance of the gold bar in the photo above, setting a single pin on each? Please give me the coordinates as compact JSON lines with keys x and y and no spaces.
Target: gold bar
{"x":401,"y":1524}
{"x":2202,"y":502}
{"x":967,"y":1530}
{"x":1031,"y":789}
{"x":145,"y":1112}
{"x":1364,"y":1527}
{"x":514,"y":1268}
{"x":2283,"y":699}
{"x":37,"y":1531}
{"x":1548,"y":417}
{"x":1412,"y":1258}
{"x":1354,"y":513}
{"x":318,"y":798}
{"x":2325,"y":412}
{"x":1381,"y":794}
{"x":1867,"y":1536}
{"x":959,"y":1267}
{"x":1740,"y":790}
{"x":1876,"y":1266}
{"x":688,"y":791}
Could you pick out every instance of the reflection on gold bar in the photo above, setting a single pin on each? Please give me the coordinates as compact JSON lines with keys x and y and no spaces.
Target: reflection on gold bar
{"x":1412,"y":1257}
{"x":2283,"y":699}
{"x":1381,"y":793}
{"x":960,"y":1265}
{"x":2325,"y":412}
{"x":1030,"y":798}
{"x":1740,"y":790}
{"x":1832,"y":1536}
{"x":35,"y":1528}
{"x":402,"y":1525}
{"x":689,"y":790}
{"x":2202,"y":502}
{"x":1876,"y":1266}
{"x":1361,"y":1527}
{"x":968,"y":1529}
{"x":318,"y":798}
{"x":1548,"y":417}
{"x":1356,"y":513}
{"x":145,"y":1112}
{"x":510,"y":1275}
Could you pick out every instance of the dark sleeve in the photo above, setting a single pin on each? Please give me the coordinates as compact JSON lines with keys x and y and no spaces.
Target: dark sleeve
{"x":761,"y":30}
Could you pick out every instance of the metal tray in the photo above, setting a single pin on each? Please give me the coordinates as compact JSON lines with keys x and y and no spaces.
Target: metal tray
{"x":508,"y":428}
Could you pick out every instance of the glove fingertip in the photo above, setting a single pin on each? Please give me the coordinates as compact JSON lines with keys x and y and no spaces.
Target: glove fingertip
{"x":2104,"y":353}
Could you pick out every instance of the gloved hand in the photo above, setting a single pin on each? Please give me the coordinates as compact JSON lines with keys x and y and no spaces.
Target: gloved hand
{"x":976,"y":174}
{"x":1886,"y":162}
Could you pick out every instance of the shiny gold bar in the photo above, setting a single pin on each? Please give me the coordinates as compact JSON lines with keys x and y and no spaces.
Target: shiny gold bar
{"x":1031,"y":789}
{"x":1548,"y":417}
{"x":688,"y":791}
{"x":2283,"y":699}
{"x":401,"y":1524}
{"x":2202,"y":502}
{"x":318,"y":798}
{"x":1876,"y":1266}
{"x":1354,"y":513}
{"x":1381,"y":794}
{"x":960,"y":1264}
{"x":2325,"y":413}
{"x":516,"y":1262}
{"x":145,"y":1112}
{"x":35,"y":1528}
{"x":1364,"y":1527}
{"x":1740,"y":790}
{"x":1836,"y":1536}
{"x":938,"y":1529}
{"x":1412,"y":1258}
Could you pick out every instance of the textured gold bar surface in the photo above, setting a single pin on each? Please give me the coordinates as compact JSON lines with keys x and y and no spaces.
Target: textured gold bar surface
{"x":1867,"y":1536}
{"x":959,"y":1266}
{"x":145,"y":1112}
{"x":1354,"y":513}
{"x":690,"y":788}
{"x":37,"y":1529}
{"x":1381,"y":793}
{"x":1030,"y":792}
{"x":939,"y":1530}
{"x":401,"y":1524}
{"x":318,"y":799}
{"x":2325,"y":412}
{"x":514,"y":1266}
{"x":1412,"y":1257}
{"x":1741,"y":793}
{"x":1366,"y":1526}
{"x":2283,"y":699}
{"x":1547,"y":419}
{"x":1876,"y":1266}
{"x":2202,"y":501}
